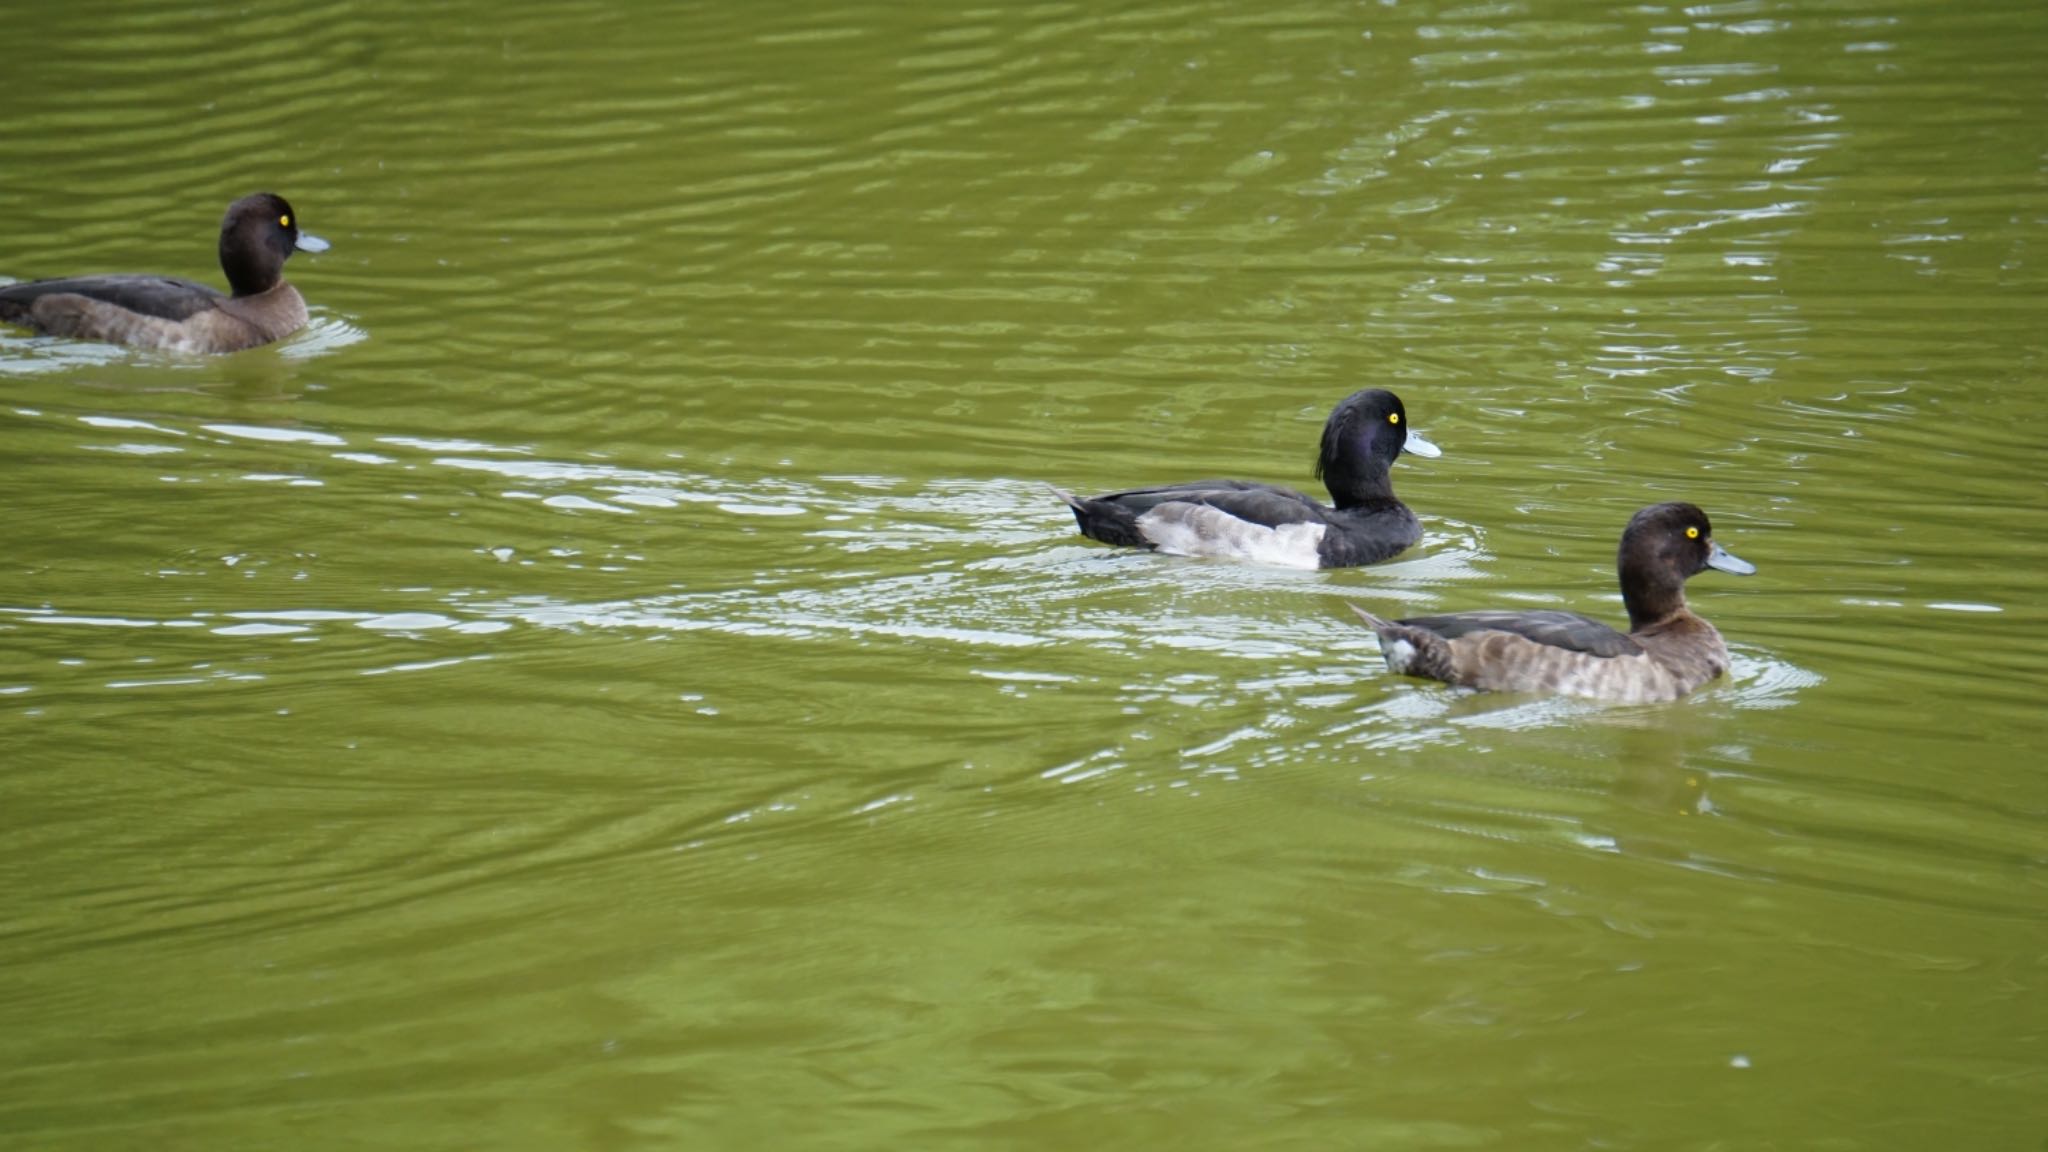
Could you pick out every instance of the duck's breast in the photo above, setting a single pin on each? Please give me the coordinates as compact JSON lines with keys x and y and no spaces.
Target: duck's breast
{"x":269,"y":315}
{"x":1369,"y":538}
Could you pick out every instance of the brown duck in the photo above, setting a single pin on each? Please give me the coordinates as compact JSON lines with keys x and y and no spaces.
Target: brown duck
{"x":1666,"y":652}
{"x":258,"y":234}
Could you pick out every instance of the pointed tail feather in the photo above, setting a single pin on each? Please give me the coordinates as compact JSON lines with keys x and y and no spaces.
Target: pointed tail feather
{"x":1371,"y":621}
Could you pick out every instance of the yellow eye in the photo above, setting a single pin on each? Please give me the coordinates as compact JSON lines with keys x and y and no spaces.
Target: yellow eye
{"x":1393,"y":417}
{"x":1692,"y":533}
{"x":285,"y":221}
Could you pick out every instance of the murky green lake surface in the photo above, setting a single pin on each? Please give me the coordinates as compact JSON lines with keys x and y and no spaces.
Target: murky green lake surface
{"x":619,"y":680}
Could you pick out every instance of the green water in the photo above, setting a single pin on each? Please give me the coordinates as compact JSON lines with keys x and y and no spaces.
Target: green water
{"x":619,"y":680}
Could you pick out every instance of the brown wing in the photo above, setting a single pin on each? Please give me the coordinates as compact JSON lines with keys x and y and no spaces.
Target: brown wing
{"x":1567,"y":630}
{"x":164,"y":297}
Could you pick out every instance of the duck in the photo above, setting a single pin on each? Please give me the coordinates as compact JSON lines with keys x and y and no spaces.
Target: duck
{"x":1667,"y":652}
{"x":1265,"y":523}
{"x":258,"y":234}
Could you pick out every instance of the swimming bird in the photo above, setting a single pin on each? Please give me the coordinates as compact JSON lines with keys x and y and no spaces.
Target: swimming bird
{"x":1666,"y":652}
{"x":1363,"y":437}
{"x":256,"y":237}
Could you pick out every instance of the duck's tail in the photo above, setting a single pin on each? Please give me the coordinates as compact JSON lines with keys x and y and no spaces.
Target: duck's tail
{"x":1104,"y":520}
{"x":1411,"y":651}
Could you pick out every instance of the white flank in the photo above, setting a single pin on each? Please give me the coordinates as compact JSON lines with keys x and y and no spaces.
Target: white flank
{"x":1199,"y":530}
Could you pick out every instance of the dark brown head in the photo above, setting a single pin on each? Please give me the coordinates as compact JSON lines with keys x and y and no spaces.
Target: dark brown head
{"x":259,"y":233}
{"x":1662,"y":546}
{"x":1366,"y":433}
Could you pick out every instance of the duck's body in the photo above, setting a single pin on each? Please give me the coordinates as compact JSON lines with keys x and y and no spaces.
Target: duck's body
{"x":256,"y":237}
{"x":1270,"y":524}
{"x":154,"y":312}
{"x":1667,"y":652}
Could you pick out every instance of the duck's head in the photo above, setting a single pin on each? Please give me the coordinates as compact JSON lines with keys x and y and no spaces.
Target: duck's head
{"x":259,"y":233}
{"x":1366,"y":433}
{"x":1662,"y":546}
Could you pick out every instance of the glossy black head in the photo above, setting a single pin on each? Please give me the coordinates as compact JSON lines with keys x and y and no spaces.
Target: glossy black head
{"x":1366,"y":433}
{"x":1662,"y":546}
{"x":259,"y":233}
